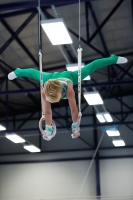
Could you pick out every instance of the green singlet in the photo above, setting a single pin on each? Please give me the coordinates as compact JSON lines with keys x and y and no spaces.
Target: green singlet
{"x":67,"y":76}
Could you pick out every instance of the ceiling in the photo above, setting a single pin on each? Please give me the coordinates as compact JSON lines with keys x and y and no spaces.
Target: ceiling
{"x":106,"y":29}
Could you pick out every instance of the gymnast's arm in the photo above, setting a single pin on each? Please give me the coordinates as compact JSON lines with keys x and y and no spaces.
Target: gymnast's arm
{"x":46,"y":109}
{"x":72,"y":102}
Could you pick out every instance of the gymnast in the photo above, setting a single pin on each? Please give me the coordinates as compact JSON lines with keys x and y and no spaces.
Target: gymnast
{"x":59,"y":85}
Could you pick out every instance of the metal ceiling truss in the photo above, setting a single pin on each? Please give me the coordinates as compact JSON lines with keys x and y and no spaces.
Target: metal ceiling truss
{"x":122,"y":113}
{"x":33,"y":98}
{"x":89,"y":126}
{"x":61,"y":160}
{"x":111,"y":13}
{"x":127,"y":115}
{"x":11,"y":69}
{"x":14,"y":36}
{"x":87,"y":85}
{"x":16,"y":13}
{"x":73,"y":150}
{"x":101,"y":36}
{"x":24,"y":122}
{"x":34,"y":4}
{"x":106,"y":20}
{"x":97,"y":25}
{"x":29,"y":7}
{"x":77,"y":36}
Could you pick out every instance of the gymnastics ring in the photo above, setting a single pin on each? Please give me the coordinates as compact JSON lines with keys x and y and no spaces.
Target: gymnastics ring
{"x":45,"y":135}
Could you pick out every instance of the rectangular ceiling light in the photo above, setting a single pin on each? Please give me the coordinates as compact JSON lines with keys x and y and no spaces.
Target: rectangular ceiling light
{"x":108,"y":117}
{"x":100,"y":117}
{"x":104,"y":117}
{"x":118,"y":143}
{"x":15,"y":138}
{"x":113,"y":133}
{"x":88,"y":78}
{"x":56,"y":31}
{"x":2,"y":128}
{"x":31,"y":148}
{"x":74,"y":66}
{"x":93,"y":98}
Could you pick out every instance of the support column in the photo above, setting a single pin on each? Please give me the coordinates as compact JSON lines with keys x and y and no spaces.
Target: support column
{"x":6,"y":105}
{"x":97,"y":164}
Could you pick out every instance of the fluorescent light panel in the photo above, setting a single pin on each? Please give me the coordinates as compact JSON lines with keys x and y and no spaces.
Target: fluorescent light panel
{"x":2,"y":128}
{"x":108,"y":117}
{"x":104,"y":117}
{"x":73,"y":67}
{"x":113,"y":133}
{"x":15,"y":138}
{"x":31,"y":148}
{"x":88,"y":78}
{"x":100,"y":118}
{"x":118,"y":143}
{"x":56,"y":31}
{"x":93,"y":98}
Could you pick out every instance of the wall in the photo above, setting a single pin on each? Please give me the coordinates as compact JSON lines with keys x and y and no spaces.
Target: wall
{"x":56,"y":180}
{"x":45,"y":178}
{"x":117,"y":177}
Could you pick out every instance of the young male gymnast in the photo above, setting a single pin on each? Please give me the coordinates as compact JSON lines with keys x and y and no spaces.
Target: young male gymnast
{"x":59,"y":85}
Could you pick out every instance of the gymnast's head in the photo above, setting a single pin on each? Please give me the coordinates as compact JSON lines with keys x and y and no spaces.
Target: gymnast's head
{"x":52,"y":90}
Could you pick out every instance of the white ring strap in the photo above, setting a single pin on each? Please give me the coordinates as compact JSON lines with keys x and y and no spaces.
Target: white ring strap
{"x":79,"y":92}
{"x":79,"y":87}
{"x":41,"y":85}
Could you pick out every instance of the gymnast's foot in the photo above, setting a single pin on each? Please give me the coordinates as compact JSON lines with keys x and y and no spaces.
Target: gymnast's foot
{"x":12,"y":75}
{"x":121,"y":60}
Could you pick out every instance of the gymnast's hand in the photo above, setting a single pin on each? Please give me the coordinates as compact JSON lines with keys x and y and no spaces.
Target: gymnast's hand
{"x":75,"y":135}
{"x":48,"y":133}
{"x":75,"y":132}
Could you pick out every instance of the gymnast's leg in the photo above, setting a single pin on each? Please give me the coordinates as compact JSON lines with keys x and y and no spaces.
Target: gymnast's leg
{"x":99,"y":63}
{"x":30,"y":73}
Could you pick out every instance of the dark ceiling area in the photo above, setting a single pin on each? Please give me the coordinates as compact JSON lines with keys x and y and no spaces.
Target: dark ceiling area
{"x":106,"y":29}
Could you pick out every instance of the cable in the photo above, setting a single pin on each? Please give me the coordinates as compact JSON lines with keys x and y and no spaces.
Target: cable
{"x":79,"y":95}
{"x":79,"y":78}
{"x":41,"y":84}
{"x":79,"y":23}
{"x":79,"y":66}
{"x":40,"y":52}
{"x":83,"y":182}
{"x":39,"y":38}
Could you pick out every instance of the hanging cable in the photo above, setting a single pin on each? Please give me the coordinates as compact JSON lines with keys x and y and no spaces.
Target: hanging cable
{"x":40,"y":52}
{"x":39,"y":30}
{"x":89,"y":168}
{"x":45,"y":135}
{"x":79,"y":24}
{"x":79,"y":102}
{"x":79,"y":79}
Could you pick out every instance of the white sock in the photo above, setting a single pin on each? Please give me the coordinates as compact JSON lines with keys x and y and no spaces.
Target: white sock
{"x":12,"y":76}
{"x":121,"y":60}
